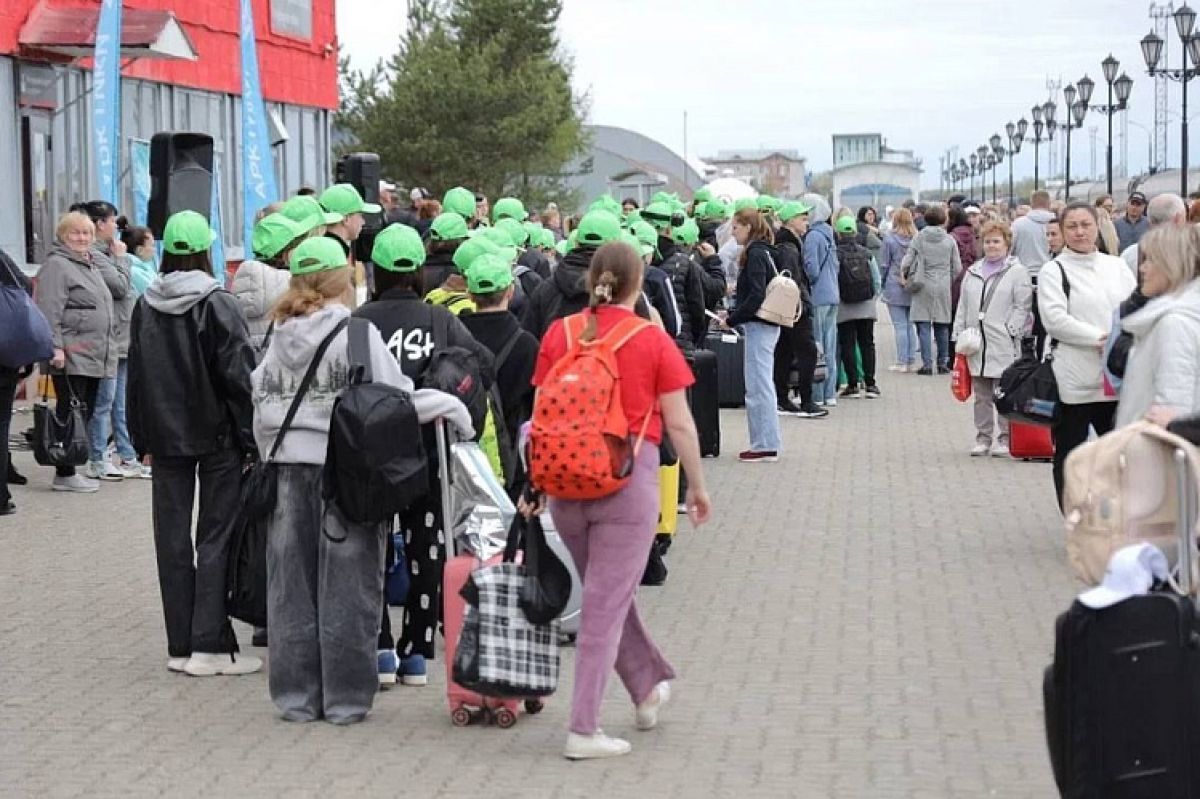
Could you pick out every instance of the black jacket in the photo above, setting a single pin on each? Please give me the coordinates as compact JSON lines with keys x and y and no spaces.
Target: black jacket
{"x":708,"y":233}
{"x":789,"y":252}
{"x":565,"y":293}
{"x":410,"y":328}
{"x":189,"y":379}
{"x":438,"y":266}
{"x":514,"y":376}
{"x":687,"y":284}
{"x":536,"y":261}
{"x":11,"y":275}
{"x":752,"y":282}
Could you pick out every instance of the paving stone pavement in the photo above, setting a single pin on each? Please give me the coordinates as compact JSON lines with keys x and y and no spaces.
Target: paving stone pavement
{"x":869,"y":617}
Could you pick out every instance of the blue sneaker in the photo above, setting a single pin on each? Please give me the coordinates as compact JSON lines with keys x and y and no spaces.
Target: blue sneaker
{"x":412,"y":670}
{"x":387,"y":668}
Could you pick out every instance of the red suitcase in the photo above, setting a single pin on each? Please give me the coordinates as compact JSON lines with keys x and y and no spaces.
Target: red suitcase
{"x":1030,"y":442}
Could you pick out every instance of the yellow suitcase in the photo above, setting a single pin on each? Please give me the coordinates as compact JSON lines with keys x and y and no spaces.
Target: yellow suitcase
{"x":668,"y":499}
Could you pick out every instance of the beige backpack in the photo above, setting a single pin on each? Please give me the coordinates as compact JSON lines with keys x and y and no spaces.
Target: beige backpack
{"x":781,"y":303}
{"x":1123,"y":488}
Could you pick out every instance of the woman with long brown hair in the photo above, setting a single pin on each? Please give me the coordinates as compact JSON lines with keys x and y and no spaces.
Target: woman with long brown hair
{"x":609,"y":537}
{"x":756,"y":268}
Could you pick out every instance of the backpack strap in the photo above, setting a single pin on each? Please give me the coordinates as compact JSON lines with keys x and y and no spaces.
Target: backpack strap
{"x":505,"y":351}
{"x":359,"y":350}
{"x":439,"y":328}
{"x":624,"y":330}
{"x":304,"y":384}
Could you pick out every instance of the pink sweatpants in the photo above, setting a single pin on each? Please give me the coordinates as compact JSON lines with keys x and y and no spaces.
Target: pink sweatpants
{"x":610,"y":541}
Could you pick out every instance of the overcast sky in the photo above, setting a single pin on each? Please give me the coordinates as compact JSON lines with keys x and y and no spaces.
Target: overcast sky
{"x":928,"y":75}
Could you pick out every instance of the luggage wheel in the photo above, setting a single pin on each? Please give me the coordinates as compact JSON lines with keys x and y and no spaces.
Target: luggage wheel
{"x":462,"y":717}
{"x":504,"y":718}
{"x":534,"y":706}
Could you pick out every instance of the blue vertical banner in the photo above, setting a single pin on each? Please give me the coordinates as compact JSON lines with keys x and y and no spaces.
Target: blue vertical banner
{"x":217,"y":254}
{"x":106,"y":99}
{"x":139,"y":177}
{"x":258,"y":168}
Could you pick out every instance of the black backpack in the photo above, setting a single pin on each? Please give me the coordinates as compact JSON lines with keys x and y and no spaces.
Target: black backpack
{"x":375,"y":464}
{"x":854,"y":272}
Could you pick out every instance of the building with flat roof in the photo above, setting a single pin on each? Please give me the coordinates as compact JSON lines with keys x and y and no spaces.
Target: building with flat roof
{"x":780,"y":173}
{"x":868,"y":172}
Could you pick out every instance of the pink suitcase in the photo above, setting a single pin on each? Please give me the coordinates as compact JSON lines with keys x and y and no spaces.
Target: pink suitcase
{"x":1030,"y":442}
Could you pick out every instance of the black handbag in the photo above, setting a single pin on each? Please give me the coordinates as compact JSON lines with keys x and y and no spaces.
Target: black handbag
{"x":1028,"y":390}
{"x":547,"y":586}
{"x":59,"y":442}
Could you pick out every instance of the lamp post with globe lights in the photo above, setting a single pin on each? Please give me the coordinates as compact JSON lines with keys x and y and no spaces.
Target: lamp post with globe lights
{"x":1016,"y":135}
{"x":1077,"y":110}
{"x":1122,"y":86}
{"x":1043,"y":120}
{"x":1152,"y":48}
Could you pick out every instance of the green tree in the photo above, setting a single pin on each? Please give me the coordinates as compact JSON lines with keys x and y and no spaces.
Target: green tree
{"x":478,"y":94}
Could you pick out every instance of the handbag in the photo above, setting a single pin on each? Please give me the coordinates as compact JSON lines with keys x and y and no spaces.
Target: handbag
{"x":547,"y":586}
{"x":960,"y":379}
{"x":59,"y":442}
{"x":1028,"y":390}
{"x":500,"y":651}
{"x":970,"y":339}
{"x":781,"y":302}
{"x":25,"y":335}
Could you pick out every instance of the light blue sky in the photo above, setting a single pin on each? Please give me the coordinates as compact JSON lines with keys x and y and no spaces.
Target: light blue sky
{"x":929,"y":74}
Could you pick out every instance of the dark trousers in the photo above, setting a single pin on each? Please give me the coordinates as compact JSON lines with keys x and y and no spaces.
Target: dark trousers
{"x":1072,"y":430}
{"x":83,"y":389}
{"x":797,"y":345}
{"x":8,"y":391}
{"x":860,"y":334}
{"x":193,"y":596}
{"x":386,"y":641}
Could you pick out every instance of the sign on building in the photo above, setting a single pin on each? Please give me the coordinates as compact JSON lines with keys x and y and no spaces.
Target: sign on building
{"x":292,"y":18}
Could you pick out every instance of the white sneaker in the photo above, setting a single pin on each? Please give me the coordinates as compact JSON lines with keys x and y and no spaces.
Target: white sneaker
{"x":133,"y":469}
{"x":646,"y":714}
{"x":831,"y":403}
{"x":206,"y":664}
{"x":177,"y":664}
{"x":979,"y":449}
{"x":104,"y":470}
{"x":590,"y":747}
{"x":1000,"y":451}
{"x":76,"y":483}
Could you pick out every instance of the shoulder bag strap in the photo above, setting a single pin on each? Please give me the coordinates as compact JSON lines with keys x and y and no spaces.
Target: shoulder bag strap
{"x":359,"y":350}
{"x":266,"y":342}
{"x":505,"y":351}
{"x":986,"y":300}
{"x":303,"y":389}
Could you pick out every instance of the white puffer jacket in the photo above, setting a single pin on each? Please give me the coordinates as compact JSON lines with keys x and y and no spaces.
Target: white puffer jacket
{"x":1099,"y":283}
{"x":1164,"y":364}
{"x":258,"y":287}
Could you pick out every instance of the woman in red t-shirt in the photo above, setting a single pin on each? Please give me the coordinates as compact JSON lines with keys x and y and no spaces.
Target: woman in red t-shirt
{"x":609,"y":538}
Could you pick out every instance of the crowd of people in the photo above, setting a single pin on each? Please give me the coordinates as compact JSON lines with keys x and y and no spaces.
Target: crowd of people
{"x":189,"y":383}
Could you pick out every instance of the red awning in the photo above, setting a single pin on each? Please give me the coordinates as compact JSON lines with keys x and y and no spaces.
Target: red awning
{"x":72,"y":32}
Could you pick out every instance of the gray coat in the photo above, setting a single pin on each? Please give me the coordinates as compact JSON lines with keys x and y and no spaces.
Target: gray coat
{"x":929,"y":267}
{"x":75,"y":292}
{"x":1003,"y":323}
{"x":119,"y":283}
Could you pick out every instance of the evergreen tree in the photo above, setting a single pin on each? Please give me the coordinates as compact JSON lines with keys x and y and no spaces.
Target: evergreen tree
{"x":477,"y":94}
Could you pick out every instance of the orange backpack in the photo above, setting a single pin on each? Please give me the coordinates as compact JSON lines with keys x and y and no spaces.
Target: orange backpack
{"x":580,"y":445}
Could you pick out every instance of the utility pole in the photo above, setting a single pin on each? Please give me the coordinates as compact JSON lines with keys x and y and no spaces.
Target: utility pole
{"x":1161,"y":13}
{"x":1093,"y":130}
{"x":1053,"y":87}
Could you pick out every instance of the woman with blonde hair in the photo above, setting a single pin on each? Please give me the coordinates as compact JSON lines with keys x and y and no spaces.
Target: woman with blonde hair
{"x":75,"y":291}
{"x":899,"y":301}
{"x":1162,"y":377}
{"x":324,"y":572}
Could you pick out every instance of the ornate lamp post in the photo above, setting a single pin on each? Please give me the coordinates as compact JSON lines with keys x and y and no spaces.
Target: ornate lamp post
{"x":1077,"y":109}
{"x":1122,"y":86}
{"x":1043,"y":120}
{"x":1016,"y":135}
{"x":974,"y":159}
{"x":1152,"y":47}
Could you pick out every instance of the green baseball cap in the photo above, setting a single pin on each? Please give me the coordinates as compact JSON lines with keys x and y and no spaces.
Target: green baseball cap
{"x":702,"y":195}
{"x":515,"y":230}
{"x":744,"y":203}
{"x":638,"y":246}
{"x":501,"y":238}
{"x":846,"y":224}
{"x":273,"y":233}
{"x":398,"y":248}
{"x":563,"y":247}
{"x":713,"y":209}
{"x":659,"y":213}
{"x":317,"y":254}
{"x":187,"y":233}
{"x":530,"y":227}
{"x":488,"y":274}
{"x":598,"y":227}
{"x":306,"y":210}
{"x":508,"y":208}
{"x":344,"y":199}
{"x":792,"y":208}
{"x":646,"y":235}
{"x":544,"y":238}
{"x":448,"y":226}
{"x":473,"y":248}
{"x":461,"y":201}
{"x":687,"y":233}
{"x":766,"y":202}
{"x":606,"y":202}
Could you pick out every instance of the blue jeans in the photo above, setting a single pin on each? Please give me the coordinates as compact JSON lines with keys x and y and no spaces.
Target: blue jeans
{"x":825,"y":330}
{"x":109,"y":417}
{"x":906,"y":337}
{"x":941,"y":332}
{"x":759,"y":371}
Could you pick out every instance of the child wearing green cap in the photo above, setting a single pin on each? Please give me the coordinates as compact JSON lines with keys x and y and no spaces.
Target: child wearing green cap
{"x":190,"y":408}
{"x":258,"y":283}
{"x":323,"y":644}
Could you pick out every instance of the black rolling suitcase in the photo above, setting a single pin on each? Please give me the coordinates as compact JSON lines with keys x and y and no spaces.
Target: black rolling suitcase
{"x":731,"y":382}
{"x":703,"y":398}
{"x":1122,"y":698}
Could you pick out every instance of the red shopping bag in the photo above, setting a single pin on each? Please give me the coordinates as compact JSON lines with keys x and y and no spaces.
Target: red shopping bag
{"x":960,"y":379}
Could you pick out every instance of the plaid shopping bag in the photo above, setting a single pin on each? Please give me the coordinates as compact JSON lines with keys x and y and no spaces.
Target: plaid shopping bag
{"x":500,"y":652}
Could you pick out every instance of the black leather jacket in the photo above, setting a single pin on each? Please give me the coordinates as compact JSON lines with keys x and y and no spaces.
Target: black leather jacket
{"x":189,"y":379}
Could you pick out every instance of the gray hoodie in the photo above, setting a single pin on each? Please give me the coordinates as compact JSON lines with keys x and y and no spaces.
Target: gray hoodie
{"x":1029,"y":240}
{"x":277,"y":377}
{"x":176,"y":292}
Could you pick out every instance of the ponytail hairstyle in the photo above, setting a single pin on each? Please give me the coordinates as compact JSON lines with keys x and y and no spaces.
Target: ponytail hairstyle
{"x":759,"y":230}
{"x":133,"y":236}
{"x":614,"y":275}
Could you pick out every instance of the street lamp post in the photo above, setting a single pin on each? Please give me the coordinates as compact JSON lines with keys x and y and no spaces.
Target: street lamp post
{"x":1016,"y":135}
{"x":1152,"y":47}
{"x":1043,"y":120}
{"x":1122,"y":86}
{"x":1076,"y":111}
{"x":974,"y":159}
{"x":998,"y":154}
{"x":982,"y":151}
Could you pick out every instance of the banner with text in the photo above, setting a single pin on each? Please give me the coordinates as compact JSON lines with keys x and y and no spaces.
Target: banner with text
{"x":258,"y":168}
{"x":139,"y":178}
{"x":106,"y":99}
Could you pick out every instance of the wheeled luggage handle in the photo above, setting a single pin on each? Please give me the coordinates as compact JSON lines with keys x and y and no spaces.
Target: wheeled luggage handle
{"x":442,"y":438}
{"x":1186,"y":523}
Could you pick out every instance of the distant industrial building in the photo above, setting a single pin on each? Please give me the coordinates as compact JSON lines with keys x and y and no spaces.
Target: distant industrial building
{"x":868,"y":172}
{"x":781,"y":173}
{"x":628,"y":164}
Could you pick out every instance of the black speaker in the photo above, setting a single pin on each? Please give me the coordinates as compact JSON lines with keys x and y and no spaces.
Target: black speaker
{"x":181,"y":176}
{"x":362,"y":171}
